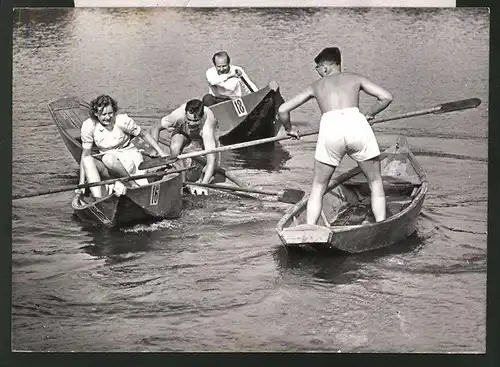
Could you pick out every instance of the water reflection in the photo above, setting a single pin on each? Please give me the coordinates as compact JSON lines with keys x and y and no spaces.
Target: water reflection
{"x":38,"y":28}
{"x":268,"y":157}
{"x":113,"y":244}
{"x":334,"y":266}
{"x":42,"y":16}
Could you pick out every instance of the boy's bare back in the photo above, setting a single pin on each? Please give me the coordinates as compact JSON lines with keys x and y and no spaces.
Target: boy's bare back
{"x":338,"y":91}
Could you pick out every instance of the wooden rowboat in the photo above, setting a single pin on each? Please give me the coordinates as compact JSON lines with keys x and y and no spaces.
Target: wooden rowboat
{"x":347,"y":220}
{"x":158,"y":199}
{"x":250,"y":117}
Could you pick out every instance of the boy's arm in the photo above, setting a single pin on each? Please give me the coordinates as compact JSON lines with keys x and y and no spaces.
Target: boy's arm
{"x":288,"y":106}
{"x":384,"y":98}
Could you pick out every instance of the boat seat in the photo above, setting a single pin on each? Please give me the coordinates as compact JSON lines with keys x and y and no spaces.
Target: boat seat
{"x":335,"y":228}
{"x":402,"y":202}
{"x":387,"y":180}
{"x":74,"y":133}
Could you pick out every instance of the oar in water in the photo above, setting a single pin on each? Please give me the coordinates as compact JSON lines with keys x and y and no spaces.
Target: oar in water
{"x":98,"y":183}
{"x":287,"y":195}
{"x":442,"y":108}
{"x":290,"y":196}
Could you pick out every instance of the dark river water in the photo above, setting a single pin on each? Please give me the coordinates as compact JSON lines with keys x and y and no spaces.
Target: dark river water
{"x":217,"y":278}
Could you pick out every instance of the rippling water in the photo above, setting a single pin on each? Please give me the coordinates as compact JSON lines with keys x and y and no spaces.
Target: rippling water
{"x":217,"y":278}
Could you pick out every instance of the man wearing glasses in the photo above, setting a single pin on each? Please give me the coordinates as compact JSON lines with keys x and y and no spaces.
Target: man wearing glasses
{"x":191,"y":122}
{"x":343,"y":128}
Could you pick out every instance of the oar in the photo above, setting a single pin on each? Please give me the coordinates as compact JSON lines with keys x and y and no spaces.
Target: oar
{"x":290,"y":196}
{"x":98,"y":183}
{"x":247,"y":84}
{"x":463,"y":104}
{"x":218,"y":169}
{"x":156,"y":162}
{"x":442,"y":108}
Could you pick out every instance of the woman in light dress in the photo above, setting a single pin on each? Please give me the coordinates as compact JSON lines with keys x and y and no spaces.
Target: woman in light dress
{"x":112,"y":133}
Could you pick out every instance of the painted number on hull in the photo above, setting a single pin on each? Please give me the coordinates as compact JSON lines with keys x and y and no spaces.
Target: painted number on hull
{"x":239,"y":107}
{"x":155,"y":194}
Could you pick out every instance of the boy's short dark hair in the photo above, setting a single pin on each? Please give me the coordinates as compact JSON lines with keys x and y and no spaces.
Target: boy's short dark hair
{"x":329,"y":54}
{"x":195,"y":107}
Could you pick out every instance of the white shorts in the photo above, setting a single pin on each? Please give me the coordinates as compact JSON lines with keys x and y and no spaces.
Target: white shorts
{"x":345,"y":131}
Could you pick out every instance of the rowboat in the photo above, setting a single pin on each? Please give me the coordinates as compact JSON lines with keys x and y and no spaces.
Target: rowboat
{"x":156,"y":200}
{"x":159,"y":198}
{"x":347,"y":221}
{"x":249,"y":117}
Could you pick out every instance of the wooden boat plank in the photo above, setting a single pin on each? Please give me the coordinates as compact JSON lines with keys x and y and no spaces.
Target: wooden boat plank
{"x":306,"y":233}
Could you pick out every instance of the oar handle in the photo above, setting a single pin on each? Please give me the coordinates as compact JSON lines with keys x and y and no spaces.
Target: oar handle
{"x":240,"y":145}
{"x":98,"y":183}
{"x":232,"y":188}
{"x":405,"y":115}
{"x":247,"y":84}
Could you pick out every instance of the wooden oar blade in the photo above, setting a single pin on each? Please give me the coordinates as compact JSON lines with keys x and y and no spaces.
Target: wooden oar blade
{"x":459,"y":105}
{"x":157,"y":162}
{"x":291,"y":196}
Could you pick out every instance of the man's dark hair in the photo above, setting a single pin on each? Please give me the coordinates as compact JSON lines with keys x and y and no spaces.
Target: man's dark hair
{"x":329,"y":54}
{"x":221,"y":54}
{"x":195,"y":107}
{"x":99,"y":103}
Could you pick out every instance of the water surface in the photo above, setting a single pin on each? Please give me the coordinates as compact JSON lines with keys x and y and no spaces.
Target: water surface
{"x":217,"y":277}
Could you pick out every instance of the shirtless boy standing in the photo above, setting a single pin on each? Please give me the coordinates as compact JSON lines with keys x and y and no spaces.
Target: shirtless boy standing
{"x":343,"y":129}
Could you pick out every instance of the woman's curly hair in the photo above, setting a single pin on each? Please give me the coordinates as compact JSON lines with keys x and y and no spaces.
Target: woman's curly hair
{"x":99,"y":103}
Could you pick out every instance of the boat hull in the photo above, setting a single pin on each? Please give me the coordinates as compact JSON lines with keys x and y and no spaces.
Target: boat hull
{"x":347,"y":222}
{"x":155,"y":201}
{"x":159,"y":199}
{"x":250,"y":117}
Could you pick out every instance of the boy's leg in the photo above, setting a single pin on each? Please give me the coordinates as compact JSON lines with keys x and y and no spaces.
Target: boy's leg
{"x":371,"y":169}
{"x":177,"y":144}
{"x":322,"y":175}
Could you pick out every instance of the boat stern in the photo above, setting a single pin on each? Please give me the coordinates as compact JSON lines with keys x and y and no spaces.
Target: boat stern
{"x":305,"y":234}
